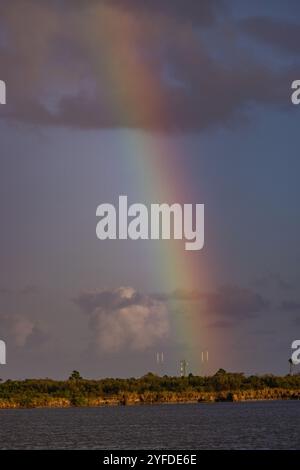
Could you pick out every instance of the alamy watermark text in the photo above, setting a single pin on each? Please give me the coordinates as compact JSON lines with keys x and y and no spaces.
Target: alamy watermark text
{"x":160,"y":221}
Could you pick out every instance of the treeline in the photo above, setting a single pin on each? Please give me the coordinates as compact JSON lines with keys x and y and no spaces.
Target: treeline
{"x":77,"y":391}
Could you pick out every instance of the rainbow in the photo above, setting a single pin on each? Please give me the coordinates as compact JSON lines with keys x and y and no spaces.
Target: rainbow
{"x":137,"y":95}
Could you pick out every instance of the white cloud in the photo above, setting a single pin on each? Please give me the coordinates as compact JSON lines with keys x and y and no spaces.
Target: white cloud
{"x":124,"y":319}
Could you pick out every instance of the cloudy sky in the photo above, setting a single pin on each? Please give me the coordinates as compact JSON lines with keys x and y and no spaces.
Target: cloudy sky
{"x":98,"y":92}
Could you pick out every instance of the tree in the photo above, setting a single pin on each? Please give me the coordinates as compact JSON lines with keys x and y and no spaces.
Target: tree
{"x":75,"y":375}
{"x":221,"y":372}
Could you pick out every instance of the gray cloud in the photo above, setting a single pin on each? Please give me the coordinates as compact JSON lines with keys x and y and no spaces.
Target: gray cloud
{"x":228,"y":301}
{"x":236,"y":302}
{"x":180,"y":295}
{"x":111,"y":299}
{"x":20,"y":331}
{"x":124,"y":319}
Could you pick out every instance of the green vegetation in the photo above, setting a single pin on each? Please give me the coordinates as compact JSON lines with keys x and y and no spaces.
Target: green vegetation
{"x":150,"y":388}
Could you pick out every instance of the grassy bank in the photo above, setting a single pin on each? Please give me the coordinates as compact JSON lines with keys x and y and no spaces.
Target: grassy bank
{"x":149,"y":389}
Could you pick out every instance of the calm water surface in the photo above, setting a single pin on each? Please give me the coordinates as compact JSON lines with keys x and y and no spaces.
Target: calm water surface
{"x":257,"y":425}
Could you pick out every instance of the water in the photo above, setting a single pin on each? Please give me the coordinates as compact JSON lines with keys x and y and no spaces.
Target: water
{"x":256,"y":425}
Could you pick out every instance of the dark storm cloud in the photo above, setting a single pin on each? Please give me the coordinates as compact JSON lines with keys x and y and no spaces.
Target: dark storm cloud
{"x":228,"y":301}
{"x":97,"y":65}
{"x":278,"y":33}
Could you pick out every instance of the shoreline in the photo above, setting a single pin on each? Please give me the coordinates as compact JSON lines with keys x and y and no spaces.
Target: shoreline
{"x":152,"y":398}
